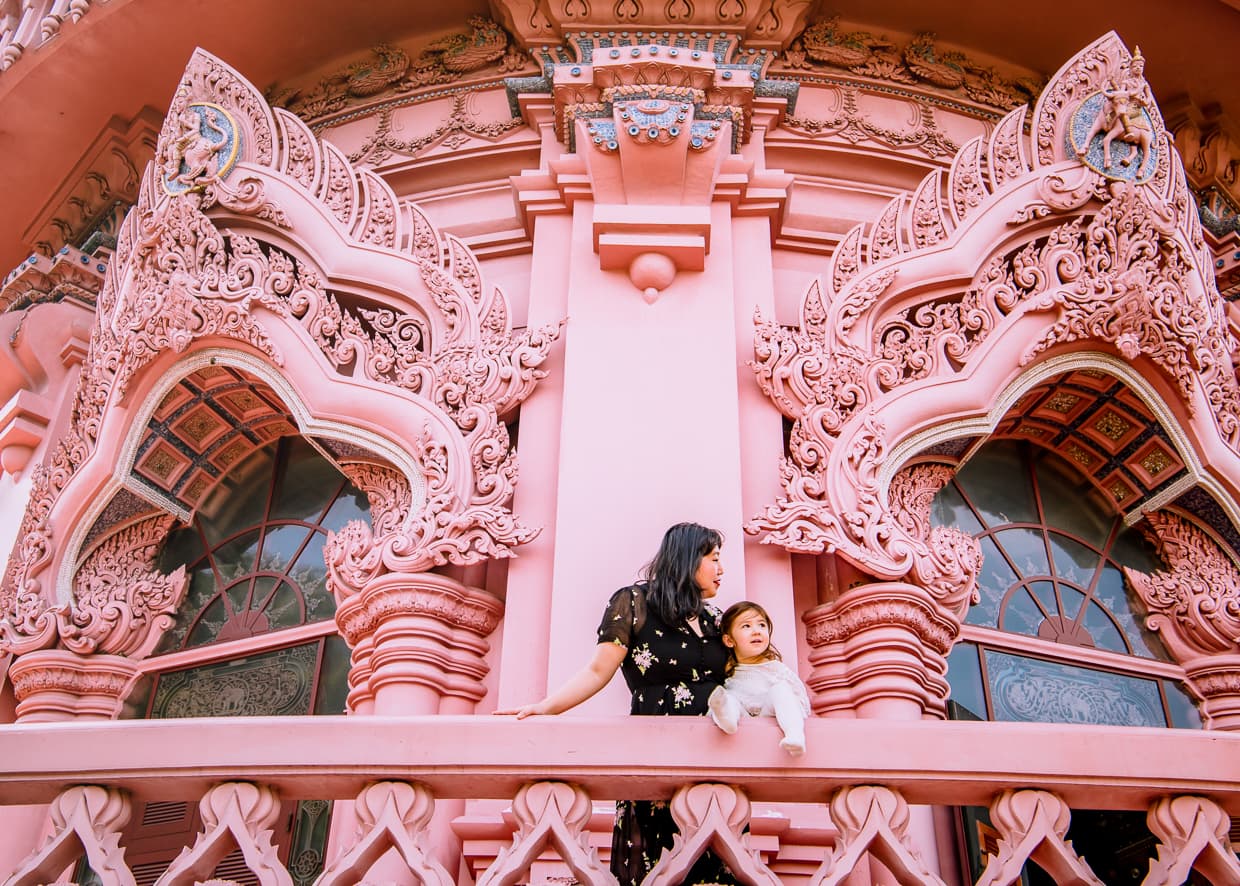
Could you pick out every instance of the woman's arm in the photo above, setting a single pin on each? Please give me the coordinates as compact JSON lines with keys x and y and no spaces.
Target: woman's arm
{"x":582,"y":685}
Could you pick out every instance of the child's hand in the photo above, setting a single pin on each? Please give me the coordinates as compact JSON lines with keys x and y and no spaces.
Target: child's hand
{"x":524,"y":711}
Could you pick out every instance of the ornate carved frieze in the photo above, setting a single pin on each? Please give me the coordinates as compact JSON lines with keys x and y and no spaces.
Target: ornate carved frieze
{"x":69,"y":274}
{"x":826,"y":45}
{"x":1090,"y":237}
{"x":767,"y":23}
{"x":390,"y":73}
{"x":182,"y":275}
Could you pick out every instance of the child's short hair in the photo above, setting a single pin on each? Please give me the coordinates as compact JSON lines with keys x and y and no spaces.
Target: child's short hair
{"x":730,"y":616}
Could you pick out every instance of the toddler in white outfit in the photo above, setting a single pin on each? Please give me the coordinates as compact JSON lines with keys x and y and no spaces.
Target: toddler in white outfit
{"x":759,"y":684}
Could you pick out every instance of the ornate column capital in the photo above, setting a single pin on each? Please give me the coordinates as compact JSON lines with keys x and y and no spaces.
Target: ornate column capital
{"x":56,"y":684}
{"x":880,"y":650}
{"x":416,"y":638}
{"x":654,"y":124}
{"x":1194,"y":605}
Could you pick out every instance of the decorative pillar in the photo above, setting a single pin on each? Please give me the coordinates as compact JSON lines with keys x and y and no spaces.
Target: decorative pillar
{"x":1194,"y":605}
{"x":880,"y":649}
{"x":79,"y":659}
{"x":419,"y":640}
{"x":647,"y":168}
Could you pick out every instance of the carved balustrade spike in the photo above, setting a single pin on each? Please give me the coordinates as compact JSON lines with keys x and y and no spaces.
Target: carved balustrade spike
{"x":714,"y":817}
{"x":86,"y":820}
{"x":1032,"y":826}
{"x":550,"y":815}
{"x":1030,"y":245}
{"x":183,"y":278}
{"x":235,"y":815}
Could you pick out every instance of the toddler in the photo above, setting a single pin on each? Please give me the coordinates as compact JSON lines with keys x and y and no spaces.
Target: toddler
{"x":758,"y":683}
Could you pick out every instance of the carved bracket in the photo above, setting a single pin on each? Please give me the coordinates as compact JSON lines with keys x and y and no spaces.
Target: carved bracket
{"x":86,"y":820}
{"x":710,"y":816}
{"x":391,"y":815}
{"x":1031,"y":826}
{"x":872,"y":819}
{"x":1193,"y":836}
{"x":235,"y":815}
{"x":549,"y":814}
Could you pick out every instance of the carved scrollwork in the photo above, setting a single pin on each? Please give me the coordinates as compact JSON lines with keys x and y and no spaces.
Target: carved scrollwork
{"x":1192,"y":604}
{"x":122,"y":603}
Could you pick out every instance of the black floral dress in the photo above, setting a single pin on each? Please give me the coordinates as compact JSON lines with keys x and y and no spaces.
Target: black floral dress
{"x":670,"y":671}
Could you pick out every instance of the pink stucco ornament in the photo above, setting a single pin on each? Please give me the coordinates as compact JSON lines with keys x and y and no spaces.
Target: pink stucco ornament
{"x":652,"y":272}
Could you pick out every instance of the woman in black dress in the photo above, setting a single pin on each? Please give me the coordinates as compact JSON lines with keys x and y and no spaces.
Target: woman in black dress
{"x":664,"y":637}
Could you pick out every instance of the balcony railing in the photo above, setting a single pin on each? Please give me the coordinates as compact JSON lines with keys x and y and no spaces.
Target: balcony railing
{"x":550,"y":769}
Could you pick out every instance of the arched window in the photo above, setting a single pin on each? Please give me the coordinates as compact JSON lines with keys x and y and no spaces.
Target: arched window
{"x":254,"y":635}
{"x":1056,"y":637}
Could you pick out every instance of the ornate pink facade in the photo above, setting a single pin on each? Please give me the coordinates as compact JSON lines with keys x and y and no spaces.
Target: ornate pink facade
{"x":333,"y":413}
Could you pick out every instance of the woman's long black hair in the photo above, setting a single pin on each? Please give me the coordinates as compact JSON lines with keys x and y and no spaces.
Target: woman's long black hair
{"x":671,"y":589}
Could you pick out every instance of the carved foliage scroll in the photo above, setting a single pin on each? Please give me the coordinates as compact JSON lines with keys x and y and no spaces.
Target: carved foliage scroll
{"x":1070,"y":257}
{"x":182,"y":274}
{"x":1193,"y":604}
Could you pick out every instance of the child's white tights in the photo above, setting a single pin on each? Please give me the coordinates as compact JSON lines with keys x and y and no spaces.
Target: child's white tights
{"x":780,"y":701}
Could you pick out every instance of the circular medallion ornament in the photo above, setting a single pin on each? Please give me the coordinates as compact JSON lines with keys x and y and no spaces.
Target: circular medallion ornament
{"x":204,"y":146}
{"x":1113,"y":133}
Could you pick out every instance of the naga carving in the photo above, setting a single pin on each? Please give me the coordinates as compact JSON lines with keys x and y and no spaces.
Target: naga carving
{"x":1071,"y":256}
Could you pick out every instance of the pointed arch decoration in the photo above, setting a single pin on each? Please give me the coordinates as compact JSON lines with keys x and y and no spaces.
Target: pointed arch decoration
{"x":391,"y":815}
{"x":86,"y":820}
{"x":1032,"y":826}
{"x":1080,"y":234}
{"x":549,"y":814}
{"x":235,"y":815}
{"x":253,"y":237}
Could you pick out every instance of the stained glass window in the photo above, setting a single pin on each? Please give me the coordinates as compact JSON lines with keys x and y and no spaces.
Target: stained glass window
{"x":254,"y":553}
{"x":1053,"y":552}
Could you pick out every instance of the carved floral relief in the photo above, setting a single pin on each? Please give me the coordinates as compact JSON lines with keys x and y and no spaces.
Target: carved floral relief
{"x":1072,"y":257}
{"x":183,"y":276}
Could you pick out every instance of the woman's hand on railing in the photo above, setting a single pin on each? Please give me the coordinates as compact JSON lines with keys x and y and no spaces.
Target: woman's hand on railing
{"x":527,"y":710}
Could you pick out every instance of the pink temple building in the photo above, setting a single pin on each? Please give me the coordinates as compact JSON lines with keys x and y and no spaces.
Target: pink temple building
{"x":350,"y":362}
